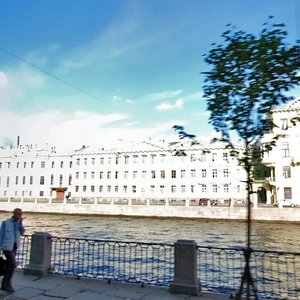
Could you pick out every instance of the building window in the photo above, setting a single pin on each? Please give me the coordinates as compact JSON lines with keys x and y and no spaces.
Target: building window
{"x":287,"y":193}
{"x":76,"y":188}
{"x":203,"y":173}
{"x":116,"y":188}
{"x":152,"y":187}
{"x":192,"y":189}
{"x":214,"y":157}
{"x":125,"y":188}
{"x":61,"y":164}
{"x":173,"y":188}
{"x":285,"y":149}
{"x":162,"y":157}
{"x":134,"y":188}
{"x":84,"y":188}
{"x":51,"y":179}
{"x":108,"y":174}
{"x":109,"y":188}
{"x":70,"y":164}
{"x":183,"y":189}
{"x":134,"y":174}
{"x":193,"y":173}
{"x":18,"y":165}
{"x":215,"y":188}
{"x":193,"y":157}
{"x":17,"y":180}
{"x":24,"y":180}
{"x":214,"y":173}
{"x":135,"y":159}
{"x":23,"y":164}
{"x":101,"y":160}
{"x":42,"y":180}
{"x":92,"y":188}
{"x":52,"y":164}
{"x":162,"y":188}
{"x":77,"y":175}
{"x":182,"y":173}
{"x":93,"y":160}
{"x":117,"y":160}
{"x":43,"y":164}
{"x":162,"y":174}
{"x":226,"y":188}
{"x":85,"y":161}
{"x":153,"y":158}
{"x":287,"y":172}
{"x":84,"y":175}
{"x":100,"y":188}
{"x":31,"y":180}
{"x":284,"y":124}
{"x":173,"y":174}
{"x":92,"y":175}
{"x":109,"y":160}
{"x":203,"y":188}
{"x":203,"y":156}
{"x":225,"y":156}
{"x":126,"y":174}
{"x":70,"y":179}
{"x":152,"y":174}
{"x":101,"y":175}
{"x":144,"y":158}
{"x":225,"y":172}
{"x":144,"y":174}
{"x":60,"y":180}
{"x":116,"y":174}
{"x":41,"y":193}
{"x":77,"y":161}
{"x":126,"y":159}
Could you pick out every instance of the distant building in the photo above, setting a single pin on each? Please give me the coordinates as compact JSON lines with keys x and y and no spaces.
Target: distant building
{"x":282,"y":186}
{"x":142,"y":171}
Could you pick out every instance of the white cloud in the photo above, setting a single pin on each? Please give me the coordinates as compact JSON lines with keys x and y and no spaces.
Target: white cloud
{"x":164,"y":95}
{"x":169,"y":106}
{"x":68,"y":132}
{"x":3,"y":80}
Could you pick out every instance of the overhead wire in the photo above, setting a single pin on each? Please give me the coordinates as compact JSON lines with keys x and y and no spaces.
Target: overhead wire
{"x":75,"y":87}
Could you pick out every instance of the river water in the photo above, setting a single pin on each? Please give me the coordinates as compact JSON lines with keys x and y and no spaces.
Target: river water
{"x":214,"y":233}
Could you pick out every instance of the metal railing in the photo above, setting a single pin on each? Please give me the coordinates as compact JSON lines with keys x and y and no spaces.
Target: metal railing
{"x":276,"y":275}
{"x":113,"y":260}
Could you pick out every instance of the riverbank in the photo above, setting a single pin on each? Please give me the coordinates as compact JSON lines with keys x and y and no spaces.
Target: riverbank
{"x":165,"y":210}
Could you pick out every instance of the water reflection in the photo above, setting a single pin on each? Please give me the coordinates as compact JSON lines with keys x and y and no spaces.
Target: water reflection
{"x":215,"y":233}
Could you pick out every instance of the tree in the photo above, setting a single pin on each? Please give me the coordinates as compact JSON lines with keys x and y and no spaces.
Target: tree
{"x":249,"y":76}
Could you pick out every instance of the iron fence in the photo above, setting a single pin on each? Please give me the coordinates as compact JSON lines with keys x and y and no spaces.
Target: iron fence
{"x":113,"y":260}
{"x":276,"y":275}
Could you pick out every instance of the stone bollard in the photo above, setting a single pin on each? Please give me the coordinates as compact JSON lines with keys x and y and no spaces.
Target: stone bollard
{"x":185,"y":277}
{"x":40,"y":254}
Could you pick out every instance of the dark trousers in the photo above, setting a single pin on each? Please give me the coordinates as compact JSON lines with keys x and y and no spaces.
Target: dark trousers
{"x":11,"y":265}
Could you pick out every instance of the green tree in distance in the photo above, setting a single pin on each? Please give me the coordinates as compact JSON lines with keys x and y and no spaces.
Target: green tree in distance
{"x":249,"y":76}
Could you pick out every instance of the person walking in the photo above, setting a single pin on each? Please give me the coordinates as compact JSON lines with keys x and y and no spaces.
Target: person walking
{"x":10,"y":233}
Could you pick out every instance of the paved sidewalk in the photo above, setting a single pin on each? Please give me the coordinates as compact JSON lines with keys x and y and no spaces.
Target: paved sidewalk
{"x":57,"y":287}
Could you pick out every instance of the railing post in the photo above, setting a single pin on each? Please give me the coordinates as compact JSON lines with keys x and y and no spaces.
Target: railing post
{"x":185,"y":277}
{"x":40,"y":254}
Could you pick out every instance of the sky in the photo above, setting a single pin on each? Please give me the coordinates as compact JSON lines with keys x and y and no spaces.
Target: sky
{"x":98,"y":72}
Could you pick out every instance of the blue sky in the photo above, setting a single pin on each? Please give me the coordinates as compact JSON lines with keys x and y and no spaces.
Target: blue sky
{"x":91,"y":72}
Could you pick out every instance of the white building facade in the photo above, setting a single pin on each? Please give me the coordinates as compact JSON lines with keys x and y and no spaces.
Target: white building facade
{"x":140,"y":172}
{"x":284,"y":158}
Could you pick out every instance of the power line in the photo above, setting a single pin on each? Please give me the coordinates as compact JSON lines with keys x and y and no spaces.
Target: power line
{"x":57,"y":78}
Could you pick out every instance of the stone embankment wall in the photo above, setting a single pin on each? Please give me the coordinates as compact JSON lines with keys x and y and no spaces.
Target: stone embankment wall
{"x":263,"y":213}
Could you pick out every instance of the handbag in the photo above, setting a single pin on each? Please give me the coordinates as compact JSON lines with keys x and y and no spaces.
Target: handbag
{"x":3,"y":266}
